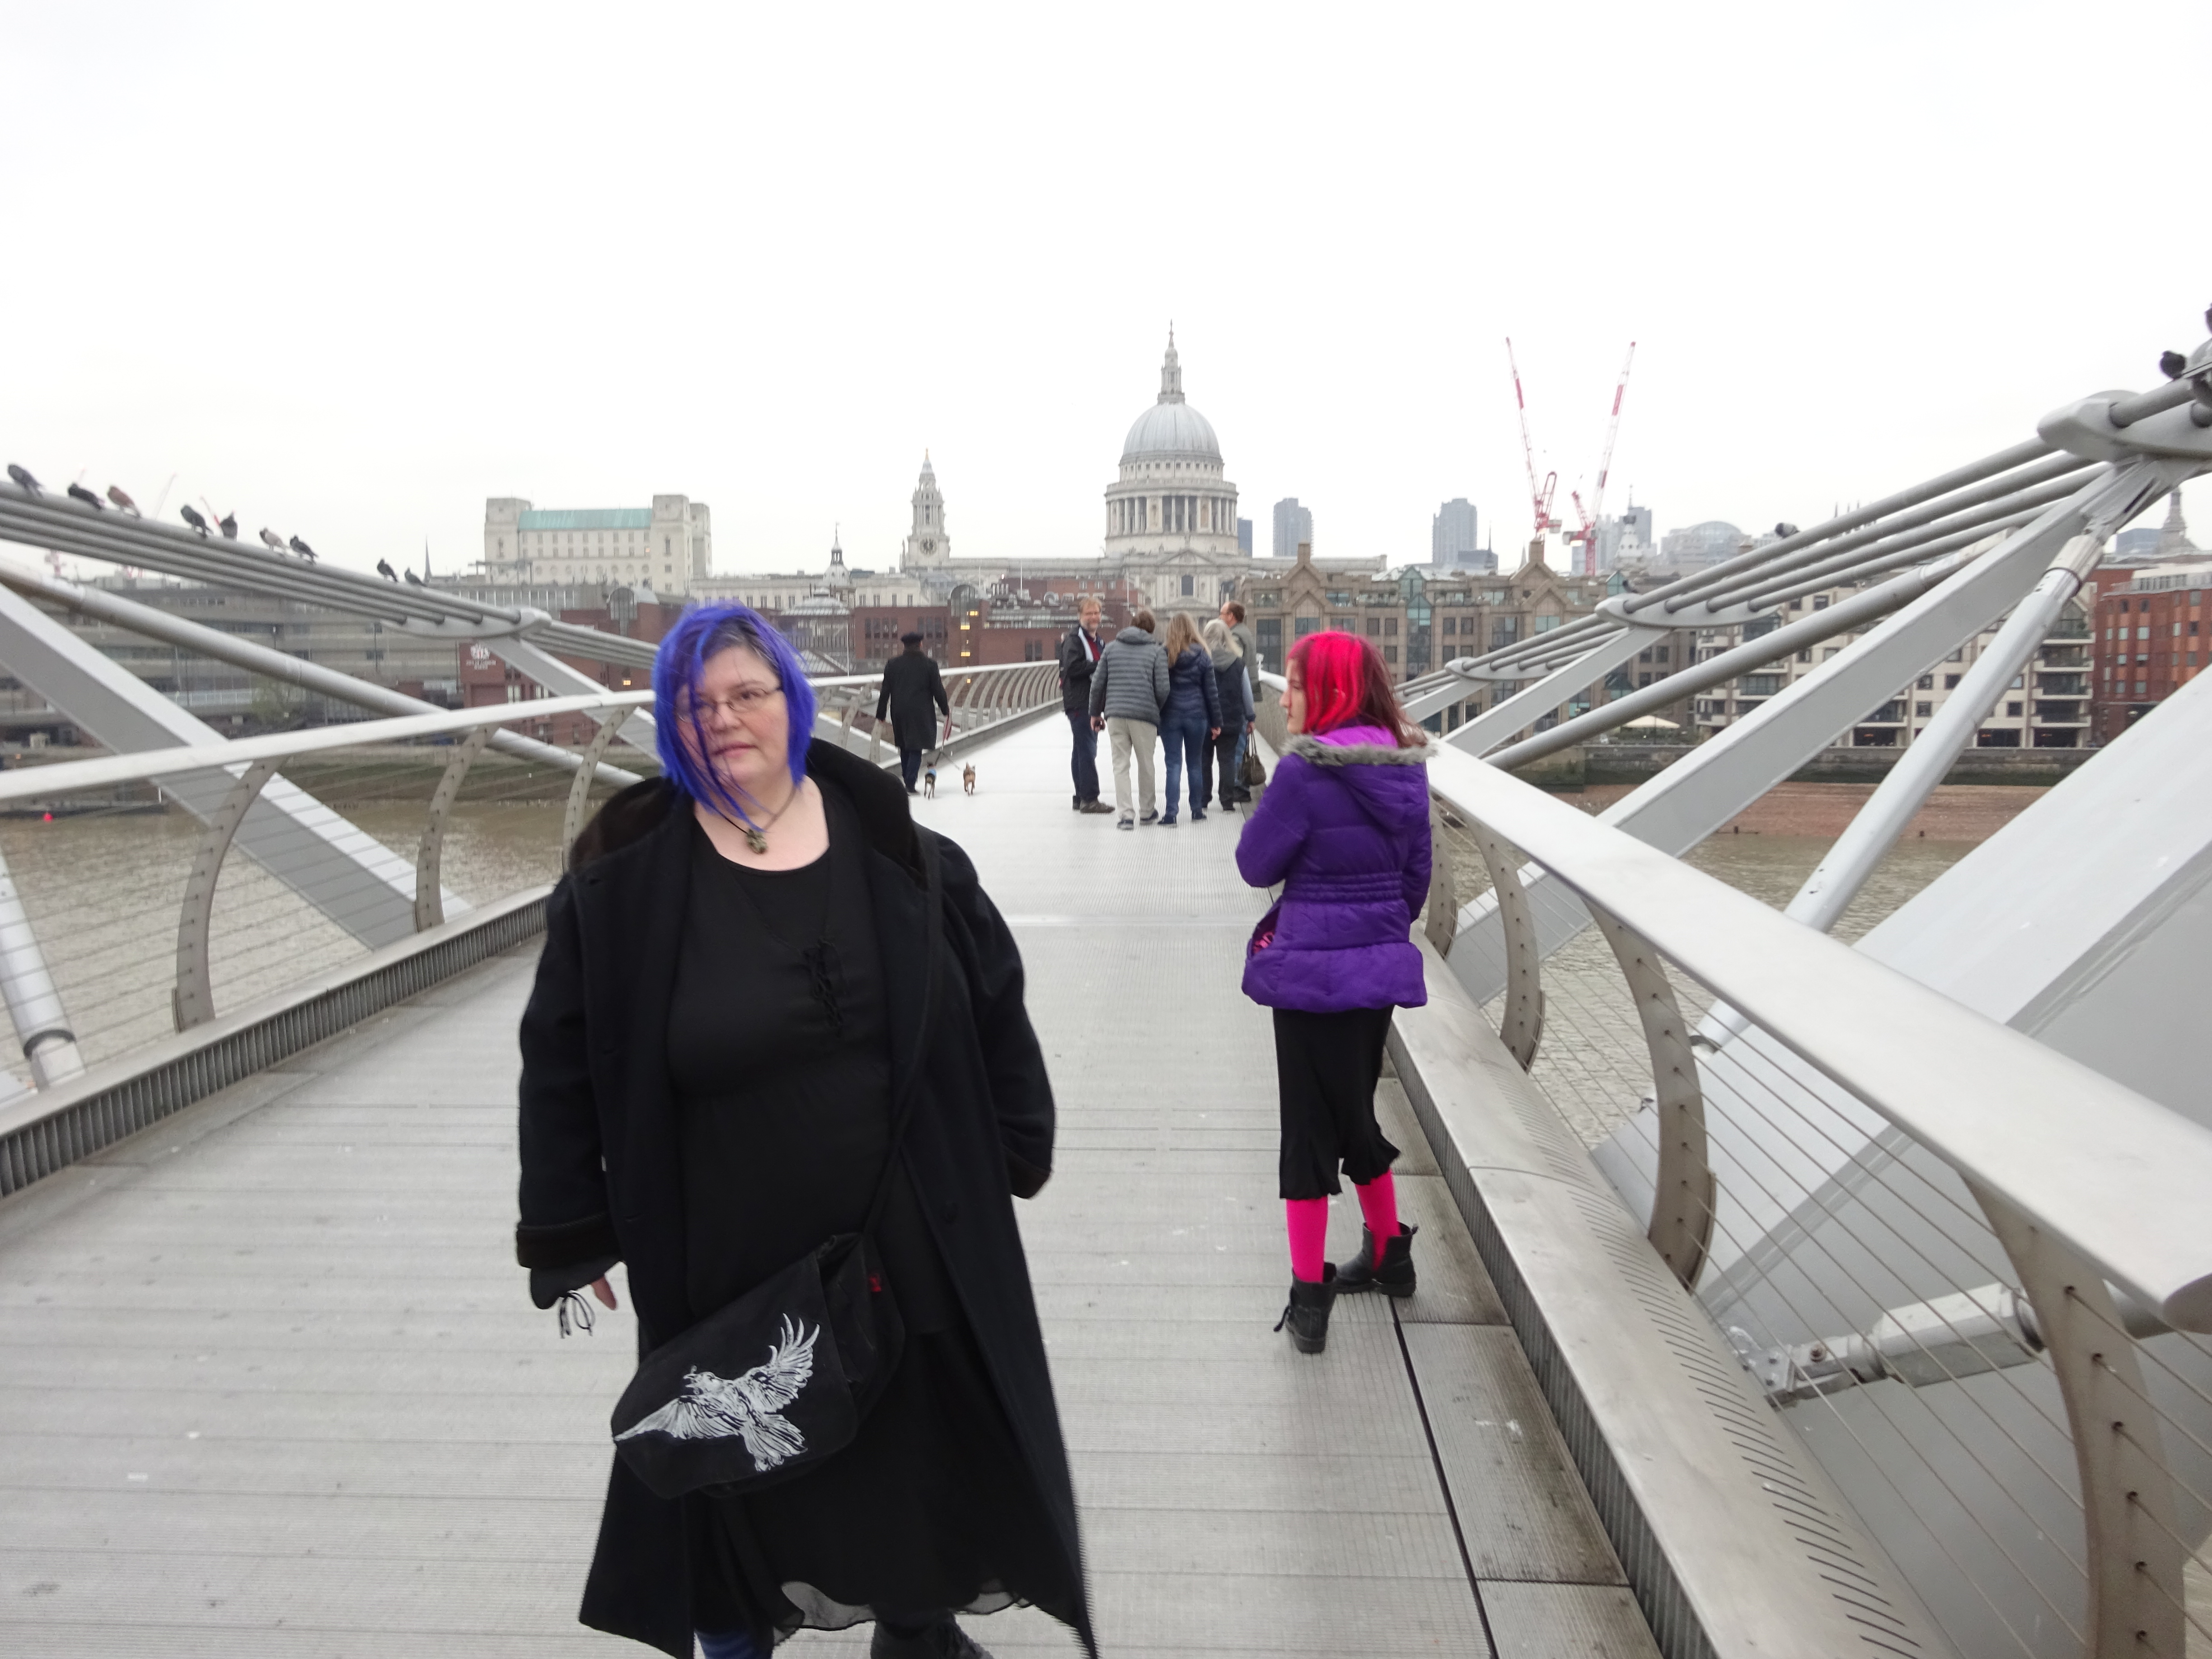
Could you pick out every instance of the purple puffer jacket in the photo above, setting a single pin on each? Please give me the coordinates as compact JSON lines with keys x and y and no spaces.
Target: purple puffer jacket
{"x":1344,"y":825}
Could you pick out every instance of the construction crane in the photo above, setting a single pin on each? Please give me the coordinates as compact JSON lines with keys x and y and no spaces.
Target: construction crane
{"x":1540,"y":495}
{"x":1586,"y":538}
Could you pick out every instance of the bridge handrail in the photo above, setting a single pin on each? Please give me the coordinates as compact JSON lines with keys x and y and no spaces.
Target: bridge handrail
{"x":33,"y":782}
{"x":2116,"y":1176}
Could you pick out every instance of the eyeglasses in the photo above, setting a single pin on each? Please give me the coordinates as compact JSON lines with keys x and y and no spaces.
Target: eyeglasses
{"x":741,"y":704}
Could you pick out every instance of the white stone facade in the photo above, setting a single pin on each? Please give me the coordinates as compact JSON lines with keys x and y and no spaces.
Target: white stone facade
{"x":667,"y":547}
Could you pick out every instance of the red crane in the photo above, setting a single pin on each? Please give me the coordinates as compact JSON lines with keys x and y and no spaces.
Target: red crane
{"x":1586,"y":538}
{"x":1540,"y":495}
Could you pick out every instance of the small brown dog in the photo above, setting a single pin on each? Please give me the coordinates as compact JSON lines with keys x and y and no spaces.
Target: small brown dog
{"x":968,"y":778}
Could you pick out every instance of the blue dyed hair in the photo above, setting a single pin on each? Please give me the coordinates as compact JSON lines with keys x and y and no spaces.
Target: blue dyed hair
{"x":703,"y":633}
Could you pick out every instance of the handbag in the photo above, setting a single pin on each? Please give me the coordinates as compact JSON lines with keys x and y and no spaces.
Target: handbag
{"x":768,"y":1385}
{"x":1249,"y":772}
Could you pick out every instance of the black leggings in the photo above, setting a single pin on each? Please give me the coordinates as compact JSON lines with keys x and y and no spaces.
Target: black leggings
{"x":1326,"y":1067}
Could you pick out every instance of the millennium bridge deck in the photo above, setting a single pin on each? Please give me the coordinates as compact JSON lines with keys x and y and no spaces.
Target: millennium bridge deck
{"x":272,"y":1384}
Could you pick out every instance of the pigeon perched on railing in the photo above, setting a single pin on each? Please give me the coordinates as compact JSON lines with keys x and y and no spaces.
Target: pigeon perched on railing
{"x":413,"y":581}
{"x":228,"y":524}
{"x":24,"y":480}
{"x":384,"y":569}
{"x":2171,"y":363}
{"x":271,"y":540}
{"x":115,"y":494}
{"x":78,"y":492}
{"x":191,"y":515}
{"x":303,"y":550}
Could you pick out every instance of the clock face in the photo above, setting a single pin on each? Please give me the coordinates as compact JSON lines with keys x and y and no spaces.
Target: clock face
{"x":929,"y":547}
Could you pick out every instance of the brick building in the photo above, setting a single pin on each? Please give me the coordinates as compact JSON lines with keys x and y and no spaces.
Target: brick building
{"x":2150,"y":640}
{"x":1419,"y":617}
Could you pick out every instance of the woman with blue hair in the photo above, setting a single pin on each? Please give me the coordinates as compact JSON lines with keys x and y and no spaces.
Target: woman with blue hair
{"x":749,"y":1035}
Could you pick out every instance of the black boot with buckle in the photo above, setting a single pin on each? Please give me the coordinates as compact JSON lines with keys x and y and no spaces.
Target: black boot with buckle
{"x":1307,"y":1311}
{"x":1392,"y":1277}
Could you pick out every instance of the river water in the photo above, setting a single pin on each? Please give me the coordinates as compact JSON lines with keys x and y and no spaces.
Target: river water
{"x":103,"y":893}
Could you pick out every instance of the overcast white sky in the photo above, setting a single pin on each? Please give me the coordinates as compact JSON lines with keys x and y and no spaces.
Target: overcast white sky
{"x":349,"y":271}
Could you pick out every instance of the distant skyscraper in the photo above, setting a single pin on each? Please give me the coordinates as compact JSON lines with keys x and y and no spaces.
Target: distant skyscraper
{"x":1293,"y":525}
{"x":1244,"y":537}
{"x":1452,"y":543}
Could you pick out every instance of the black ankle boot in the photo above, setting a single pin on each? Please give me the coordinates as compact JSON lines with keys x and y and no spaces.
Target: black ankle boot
{"x":1394,"y":1278}
{"x":1307,"y":1311}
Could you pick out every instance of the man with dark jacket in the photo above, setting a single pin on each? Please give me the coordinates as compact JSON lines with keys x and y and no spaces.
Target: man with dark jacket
{"x":1128,"y":688}
{"x":911,"y":683}
{"x":1078,"y":659}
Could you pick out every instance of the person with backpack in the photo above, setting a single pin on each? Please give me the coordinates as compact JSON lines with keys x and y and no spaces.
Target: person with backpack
{"x":1238,"y":710}
{"x":1343,"y":827}
{"x":1128,"y":689}
{"x":1192,"y":720}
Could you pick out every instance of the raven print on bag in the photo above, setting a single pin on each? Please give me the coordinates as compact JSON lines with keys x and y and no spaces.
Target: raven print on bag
{"x":713,"y":1407}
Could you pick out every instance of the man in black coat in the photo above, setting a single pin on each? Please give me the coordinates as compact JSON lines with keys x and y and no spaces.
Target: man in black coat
{"x":911,"y":684}
{"x":1078,"y":656}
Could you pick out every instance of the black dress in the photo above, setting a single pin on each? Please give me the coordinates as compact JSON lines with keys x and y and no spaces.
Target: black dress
{"x":778,"y":1046}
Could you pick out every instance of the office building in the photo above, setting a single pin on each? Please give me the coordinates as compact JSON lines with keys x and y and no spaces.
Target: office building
{"x":1294,"y":528}
{"x":1452,"y":543}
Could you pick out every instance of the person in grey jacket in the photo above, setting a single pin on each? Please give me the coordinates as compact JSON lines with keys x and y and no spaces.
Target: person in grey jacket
{"x":1128,"y":688}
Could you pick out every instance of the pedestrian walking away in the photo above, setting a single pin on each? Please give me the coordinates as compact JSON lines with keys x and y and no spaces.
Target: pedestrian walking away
{"x":1192,"y":720}
{"x":1227,"y":656}
{"x":1078,"y":660}
{"x":1343,"y":827}
{"x":1129,"y":690}
{"x":776,"y":1024}
{"x":1247,"y":643}
{"x":911,"y":684}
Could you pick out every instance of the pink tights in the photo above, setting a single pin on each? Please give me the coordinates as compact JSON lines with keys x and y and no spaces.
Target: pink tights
{"x":1307,"y":1221}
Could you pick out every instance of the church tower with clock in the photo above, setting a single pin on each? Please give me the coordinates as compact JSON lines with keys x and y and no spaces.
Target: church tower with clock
{"x":927,"y":546}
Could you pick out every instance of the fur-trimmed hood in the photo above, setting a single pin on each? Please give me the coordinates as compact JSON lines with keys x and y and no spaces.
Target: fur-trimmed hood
{"x":1321,"y":752}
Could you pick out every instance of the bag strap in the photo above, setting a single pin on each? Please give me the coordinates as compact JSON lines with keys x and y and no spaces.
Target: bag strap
{"x":903,"y":1098}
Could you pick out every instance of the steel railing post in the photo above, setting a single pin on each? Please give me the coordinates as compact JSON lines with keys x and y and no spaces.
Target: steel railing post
{"x":192,"y":1000}
{"x":1521,"y":1027}
{"x":1443,"y":923}
{"x":2136,"y":1559}
{"x":429,"y":897}
{"x":1684,"y":1187}
{"x":579,"y":792}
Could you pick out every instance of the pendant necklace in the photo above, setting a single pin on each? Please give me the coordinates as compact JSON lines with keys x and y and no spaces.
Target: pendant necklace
{"x":757,"y":835}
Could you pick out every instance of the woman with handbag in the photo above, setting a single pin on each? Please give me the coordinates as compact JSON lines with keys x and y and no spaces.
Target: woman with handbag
{"x":1344,"y":826}
{"x":776,"y":1061}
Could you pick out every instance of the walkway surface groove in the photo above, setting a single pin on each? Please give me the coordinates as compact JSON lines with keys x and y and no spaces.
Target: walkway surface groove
{"x":272,"y":1386}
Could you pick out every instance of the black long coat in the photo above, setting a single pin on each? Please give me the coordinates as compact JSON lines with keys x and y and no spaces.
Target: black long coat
{"x":911,"y":685}
{"x":600,"y":1173}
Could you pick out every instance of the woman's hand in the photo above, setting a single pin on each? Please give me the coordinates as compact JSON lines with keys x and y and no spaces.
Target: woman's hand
{"x":602,"y":1289}
{"x":1213,"y":731}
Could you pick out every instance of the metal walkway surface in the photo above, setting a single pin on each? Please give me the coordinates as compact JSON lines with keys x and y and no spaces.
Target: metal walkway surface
{"x":270,"y":1384}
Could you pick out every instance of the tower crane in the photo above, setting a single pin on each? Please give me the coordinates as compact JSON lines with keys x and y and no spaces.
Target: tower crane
{"x":1540,"y":495}
{"x":1586,"y":538}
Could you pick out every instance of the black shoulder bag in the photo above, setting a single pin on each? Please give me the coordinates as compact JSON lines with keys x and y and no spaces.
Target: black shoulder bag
{"x":776,"y":1380}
